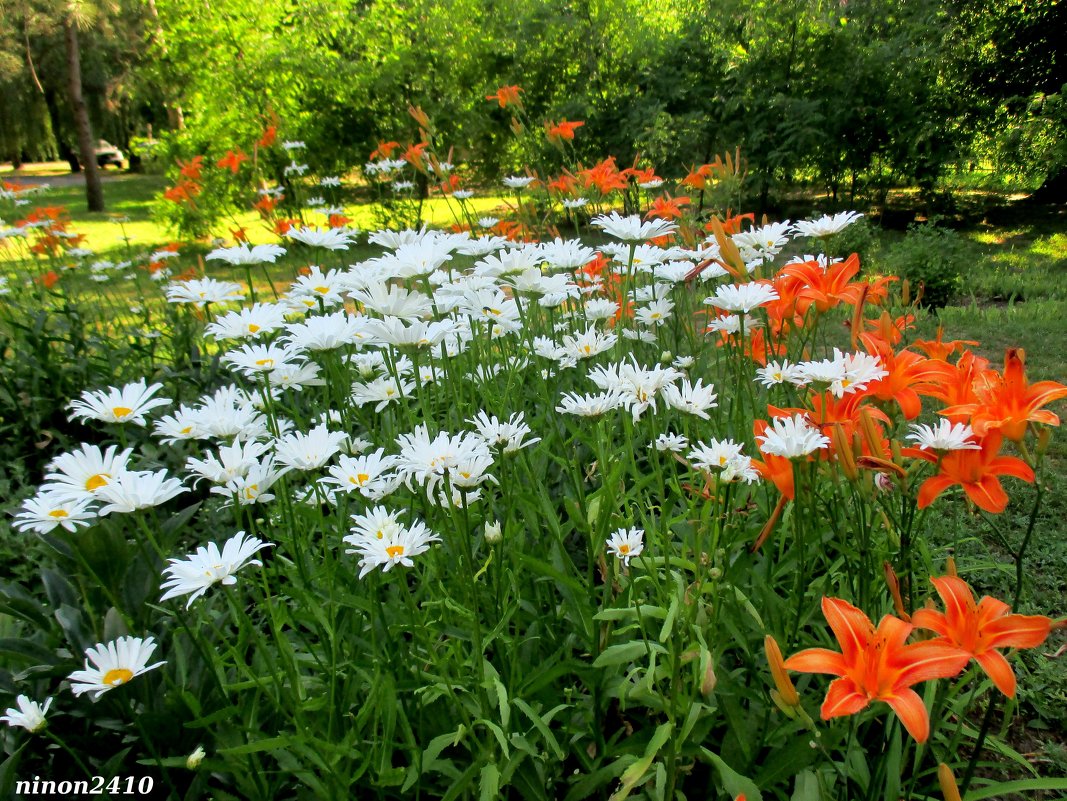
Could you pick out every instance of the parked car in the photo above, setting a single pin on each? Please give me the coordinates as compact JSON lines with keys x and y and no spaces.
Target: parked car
{"x":107,"y":153}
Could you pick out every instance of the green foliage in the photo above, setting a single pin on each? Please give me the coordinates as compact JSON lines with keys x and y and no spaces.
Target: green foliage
{"x":931,"y":258}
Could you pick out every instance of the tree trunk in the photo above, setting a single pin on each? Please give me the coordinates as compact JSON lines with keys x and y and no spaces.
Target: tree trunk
{"x":94,"y":191}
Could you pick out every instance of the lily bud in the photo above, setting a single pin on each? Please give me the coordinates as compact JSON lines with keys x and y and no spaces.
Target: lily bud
{"x":894,"y":589}
{"x":782,"y":682}
{"x":949,"y":789}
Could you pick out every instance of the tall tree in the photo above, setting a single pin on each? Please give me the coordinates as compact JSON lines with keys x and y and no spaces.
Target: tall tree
{"x":94,"y":190}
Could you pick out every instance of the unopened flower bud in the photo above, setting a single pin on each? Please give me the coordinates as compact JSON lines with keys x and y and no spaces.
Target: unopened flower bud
{"x":194,"y":759}
{"x":949,"y":789}
{"x":494,"y":532}
{"x":786,"y":690}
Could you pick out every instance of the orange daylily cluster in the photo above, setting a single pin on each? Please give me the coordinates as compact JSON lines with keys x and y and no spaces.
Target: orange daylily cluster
{"x":507,"y":96}
{"x":878,"y":664}
{"x":998,"y":406}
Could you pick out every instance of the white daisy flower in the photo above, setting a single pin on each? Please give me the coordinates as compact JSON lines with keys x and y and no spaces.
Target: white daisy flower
{"x":243,"y":253}
{"x":200,"y":291}
{"x":82,"y":473}
{"x":196,"y":573}
{"x":255,"y":321}
{"x":742,"y":297}
{"x":792,"y":437}
{"x":330,"y":238}
{"x":783,"y":372}
{"x":626,"y":544}
{"x":50,"y":510}
{"x":127,"y":404}
{"x":518,"y":181}
{"x":130,"y":492}
{"x":632,"y":229}
{"x":826,"y":225}
{"x":693,"y":399}
{"x":381,"y":540}
{"x":114,"y":663}
{"x":945,"y":436}
{"x":369,"y":474}
{"x":675,"y":443}
{"x":30,"y":715}
{"x":309,"y":451}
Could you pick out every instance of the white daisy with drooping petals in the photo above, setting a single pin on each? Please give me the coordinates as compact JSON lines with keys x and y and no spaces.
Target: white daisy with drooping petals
{"x":632,"y":229}
{"x":742,"y":297}
{"x":826,"y":225}
{"x":308,"y":451}
{"x":200,"y":291}
{"x":128,"y":404}
{"x":382,"y":541}
{"x":114,"y":664}
{"x":244,"y":253}
{"x":130,"y":492}
{"x":196,"y":573}
{"x":792,"y":437}
{"x":330,"y":238}
{"x":945,"y":436}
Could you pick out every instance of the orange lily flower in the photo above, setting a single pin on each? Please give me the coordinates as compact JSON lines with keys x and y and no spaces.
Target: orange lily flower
{"x":232,"y":160}
{"x":605,"y":177}
{"x":268,"y":138}
{"x":667,"y":207}
{"x":877,"y":665}
{"x":1009,"y":404}
{"x":559,"y":131}
{"x":823,"y":288}
{"x":265,"y":205}
{"x":506,"y":96}
{"x":776,"y":469}
{"x":910,"y":375}
{"x":415,"y":155}
{"x":976,"y":471}
{"x":698,"y":177}
{"x":980,"y":629}
{"x":937,"y":348}
{"x":384,"y":150}
{"x":192,"y":169}
{"x":182,"y":192}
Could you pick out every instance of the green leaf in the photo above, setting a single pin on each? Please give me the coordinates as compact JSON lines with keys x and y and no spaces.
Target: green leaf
{"x":734,"y":782}
{"x":1004,"y":789}
{"x":489,"y":783}
{"x":626,"y":653}
{"x":541,"y":726}
{"x":268,"y":744}
{"x":633,"y":774}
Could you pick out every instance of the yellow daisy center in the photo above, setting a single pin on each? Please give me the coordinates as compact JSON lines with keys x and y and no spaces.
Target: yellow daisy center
{"x":394,"y":551}
{"x":252,"y":328}
{"x":624,"y":549}
{"x":265,"y":363}
{"x":59,"y":513}
{"x":322,"y":290}
{"x":121,"y":411}
{"x":117,"y":676}
{"x":251,"y":491}
{"x":361,"y":479}
{"x":97,"y":481}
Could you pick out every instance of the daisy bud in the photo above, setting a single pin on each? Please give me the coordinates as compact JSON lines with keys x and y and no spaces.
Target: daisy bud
{"x":194,"y":759}
{"x":666,"y":357}
{"x":786,"y":690}
{"x":493,"y":532}
{"x":949,"y":789}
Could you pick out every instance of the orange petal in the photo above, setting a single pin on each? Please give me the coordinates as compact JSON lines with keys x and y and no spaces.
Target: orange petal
{"x":912,"y":713}
{"x":932,"y":620}
{"x":931,"y":488}
{"x":817,"y":660}
{"x":958,"y":597}
{"x":988,"y":494}
{"x":852,"y":628}
{"x":998,"y":669}
{"x":843,"y":698}
{"x":930,"y":660}
{"x":1017,"y":631}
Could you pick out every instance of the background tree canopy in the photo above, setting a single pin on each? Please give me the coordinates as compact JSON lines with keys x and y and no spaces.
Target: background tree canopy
{"x":861,"y":94}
